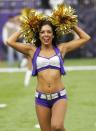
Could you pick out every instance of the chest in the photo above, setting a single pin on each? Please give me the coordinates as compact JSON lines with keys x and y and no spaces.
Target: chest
{"x":47,"y":53}
{"x":43,"y":61}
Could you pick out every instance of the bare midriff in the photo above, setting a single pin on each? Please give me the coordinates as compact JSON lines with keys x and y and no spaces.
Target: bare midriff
{"x":49,"y":81}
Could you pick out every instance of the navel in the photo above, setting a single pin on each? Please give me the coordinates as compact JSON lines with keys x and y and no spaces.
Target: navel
{"x":49,"y":85}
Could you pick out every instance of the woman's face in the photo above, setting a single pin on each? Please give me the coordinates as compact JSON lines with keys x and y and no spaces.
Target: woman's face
{"x":46,"y":35}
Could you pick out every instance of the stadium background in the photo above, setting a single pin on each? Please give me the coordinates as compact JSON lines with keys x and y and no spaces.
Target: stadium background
{"x":85,"y":9}
{"x":19,"y":111}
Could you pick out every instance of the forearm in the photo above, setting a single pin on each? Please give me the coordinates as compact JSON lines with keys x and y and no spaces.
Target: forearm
{"x":13,"y":38}
{"x":82,"y":34}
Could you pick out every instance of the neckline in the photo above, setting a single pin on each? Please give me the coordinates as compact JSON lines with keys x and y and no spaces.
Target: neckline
{"x":46,"y":57}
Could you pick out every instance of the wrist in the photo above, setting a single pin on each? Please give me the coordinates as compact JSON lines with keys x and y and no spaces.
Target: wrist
{"x":74,"y":28}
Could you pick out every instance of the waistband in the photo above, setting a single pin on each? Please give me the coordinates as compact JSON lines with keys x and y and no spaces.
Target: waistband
{"x":48,"y":96}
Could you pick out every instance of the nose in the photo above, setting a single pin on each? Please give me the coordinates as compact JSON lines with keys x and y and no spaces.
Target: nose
{"x":46,"y":34}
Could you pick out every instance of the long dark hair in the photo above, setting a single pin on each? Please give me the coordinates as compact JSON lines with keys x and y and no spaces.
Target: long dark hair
{"x":45,"y":22}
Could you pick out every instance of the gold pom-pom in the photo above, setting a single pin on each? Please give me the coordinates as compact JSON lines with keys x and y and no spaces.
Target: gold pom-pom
{"x":25,"y":11}
{"x":30,"y":24}
{"x":64,"y":18}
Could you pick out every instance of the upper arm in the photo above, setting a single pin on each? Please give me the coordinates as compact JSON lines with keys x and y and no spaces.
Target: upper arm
{"x":76,"y":43}
{"x":26,"y":49}
{"x":72,"y":45}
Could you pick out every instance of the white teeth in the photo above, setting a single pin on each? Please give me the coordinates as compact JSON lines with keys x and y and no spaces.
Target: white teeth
{"x":46,"y":39}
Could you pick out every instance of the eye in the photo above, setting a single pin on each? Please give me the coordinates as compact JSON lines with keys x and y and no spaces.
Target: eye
{"x":46,"y":32}
{"x":41,"y":32}
{"x":49,"y":31}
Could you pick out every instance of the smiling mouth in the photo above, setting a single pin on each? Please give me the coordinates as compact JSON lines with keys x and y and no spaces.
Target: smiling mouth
{"x":46,"y":40}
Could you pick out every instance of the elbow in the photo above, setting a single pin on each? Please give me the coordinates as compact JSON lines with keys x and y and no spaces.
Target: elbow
{"x":87,"y":38}
{"x":8,"y":42}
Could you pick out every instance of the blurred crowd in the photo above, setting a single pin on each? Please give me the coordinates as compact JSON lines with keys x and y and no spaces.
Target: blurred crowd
{"x":9,"y":23}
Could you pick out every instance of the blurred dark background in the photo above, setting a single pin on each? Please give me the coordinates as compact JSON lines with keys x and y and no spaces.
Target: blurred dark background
{"x":85,"y":9}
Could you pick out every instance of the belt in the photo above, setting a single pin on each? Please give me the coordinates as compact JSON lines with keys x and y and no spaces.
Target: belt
{"x":49,"y":96}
